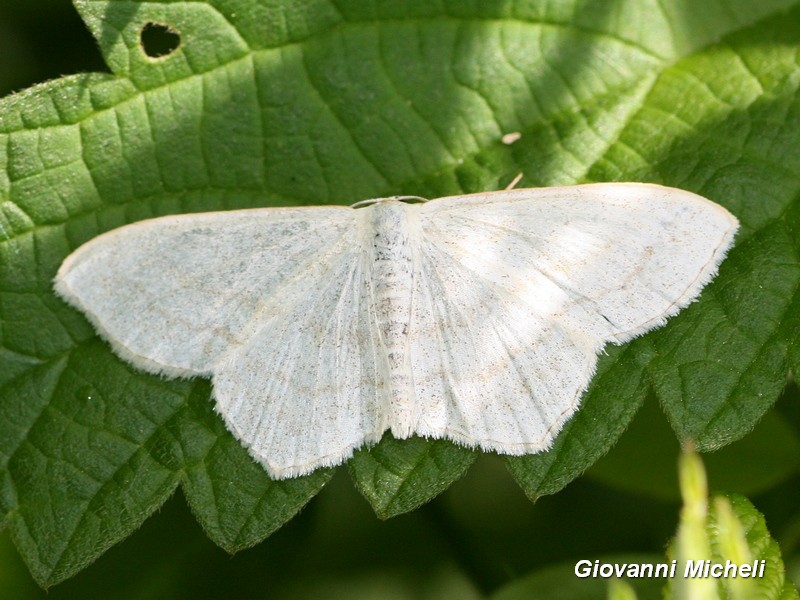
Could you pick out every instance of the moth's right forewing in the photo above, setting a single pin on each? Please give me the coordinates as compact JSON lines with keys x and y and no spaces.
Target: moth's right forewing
{"x":610,"y":260}
{"x":173,"y":294}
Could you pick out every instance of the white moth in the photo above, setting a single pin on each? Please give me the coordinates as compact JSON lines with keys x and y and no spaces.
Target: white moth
{"x":474,"y":318}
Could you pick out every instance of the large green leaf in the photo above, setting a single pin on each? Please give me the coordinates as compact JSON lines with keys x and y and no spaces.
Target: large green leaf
{"x":270,"y":102}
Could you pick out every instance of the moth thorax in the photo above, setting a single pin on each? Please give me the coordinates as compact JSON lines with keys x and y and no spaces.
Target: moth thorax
{"x":392,"y":280}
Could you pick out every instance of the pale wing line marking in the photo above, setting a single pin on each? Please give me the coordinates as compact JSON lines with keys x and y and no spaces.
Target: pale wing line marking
{"x":526,"y":383}
{"x":337,"y":246}
{"x":284,"y":394}
{"x":447,"y":370}
{"x":504,"y":293}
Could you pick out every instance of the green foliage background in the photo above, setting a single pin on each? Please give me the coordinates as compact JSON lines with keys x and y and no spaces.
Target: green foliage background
{"x":271,"y":102}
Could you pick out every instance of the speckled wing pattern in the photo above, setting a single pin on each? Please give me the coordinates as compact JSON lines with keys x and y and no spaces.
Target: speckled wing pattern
{"x":308,"y":388}
{"x":518,"y":291}
{"x":273,"y":304}
{"x":511,"y":295}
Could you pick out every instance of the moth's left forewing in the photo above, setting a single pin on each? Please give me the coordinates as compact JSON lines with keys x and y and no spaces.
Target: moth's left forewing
{"x":610,"y":260}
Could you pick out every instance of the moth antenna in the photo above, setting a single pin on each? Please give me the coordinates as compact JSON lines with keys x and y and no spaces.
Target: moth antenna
{"x":514,"y":182}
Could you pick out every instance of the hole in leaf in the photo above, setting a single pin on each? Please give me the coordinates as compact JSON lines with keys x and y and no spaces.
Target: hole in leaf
{"x":159,"y":40}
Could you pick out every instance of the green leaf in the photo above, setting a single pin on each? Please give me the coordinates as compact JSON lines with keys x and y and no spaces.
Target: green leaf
{"x":103,"y":447}
{"x":643,"y":460}
{"x":398,"y":476}
{"x":715,"y":381}
{"x":759,"y":545}
{"x":86,"y":464}
{"x":275,"y":102}
{"x":231,"y":496}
